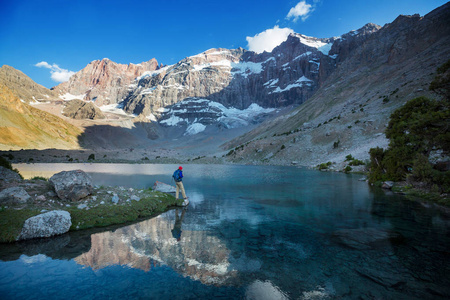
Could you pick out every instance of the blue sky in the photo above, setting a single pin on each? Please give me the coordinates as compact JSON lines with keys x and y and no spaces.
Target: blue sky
{"x":49,"y":39}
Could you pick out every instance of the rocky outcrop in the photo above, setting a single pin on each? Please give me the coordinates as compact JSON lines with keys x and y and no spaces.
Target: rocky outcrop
{"x":104,"y":81}
{"x":163,"y":187}
{"x":9,"y":175}
{"x":79,"y":109}
{"x":72,"y":185}
{"x":46,"y":225}
{"x":14,"y":195}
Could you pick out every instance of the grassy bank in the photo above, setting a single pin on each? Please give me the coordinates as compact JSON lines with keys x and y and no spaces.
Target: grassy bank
{"x":96,"y":210}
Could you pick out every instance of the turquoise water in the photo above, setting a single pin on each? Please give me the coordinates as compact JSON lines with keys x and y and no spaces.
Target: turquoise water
{"x":250,"y":232}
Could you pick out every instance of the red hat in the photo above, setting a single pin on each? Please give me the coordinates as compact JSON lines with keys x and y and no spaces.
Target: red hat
{"x":180,"y":168}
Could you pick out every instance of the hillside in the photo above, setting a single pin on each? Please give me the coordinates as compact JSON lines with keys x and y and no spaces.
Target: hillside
{"x":349,"y":113}
{"x":25,"y":127}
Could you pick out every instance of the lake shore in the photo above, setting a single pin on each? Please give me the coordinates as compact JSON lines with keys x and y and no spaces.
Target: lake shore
{"x":106,"y":206}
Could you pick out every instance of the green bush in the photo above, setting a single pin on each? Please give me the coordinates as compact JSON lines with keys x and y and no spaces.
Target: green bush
{"x":356,"y":162}
{"x":5,"y":163}
{"x":347,"y":169}
{"x":349,"y":157}
{"x":91,"y":157}
{"x":336,"y":144}
{"x":39,"y":178}
{"x":324,"y":166}
{"x":414,"y":130}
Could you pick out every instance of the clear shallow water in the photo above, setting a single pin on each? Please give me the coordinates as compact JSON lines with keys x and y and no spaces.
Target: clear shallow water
{"x":249,"y":233}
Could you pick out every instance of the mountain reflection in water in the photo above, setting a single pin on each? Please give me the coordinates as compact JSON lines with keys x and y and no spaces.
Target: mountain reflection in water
{"x":151,"y":243}
{"x":250,"y":232}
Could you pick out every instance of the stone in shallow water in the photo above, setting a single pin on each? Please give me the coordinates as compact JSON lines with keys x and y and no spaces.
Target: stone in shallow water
{"x":46,"y":225}
{"x":364,"y":238}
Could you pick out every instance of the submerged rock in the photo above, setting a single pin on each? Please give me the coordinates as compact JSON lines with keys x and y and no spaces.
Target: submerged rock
{"x":14,"y":195}
{"x":364,"y":238}
{"x":72,"y":185}
{"x":46,"y":225}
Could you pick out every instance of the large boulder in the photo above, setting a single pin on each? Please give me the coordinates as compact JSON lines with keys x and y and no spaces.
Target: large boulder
{"x":8,"y":175}
{"x":46,"y":225}
{"x":14,"y":195}
{"x":72,"y":185}
{"x":163,"y":187}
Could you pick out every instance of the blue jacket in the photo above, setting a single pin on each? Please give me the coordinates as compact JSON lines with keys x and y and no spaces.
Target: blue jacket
{"x":180,"y":175}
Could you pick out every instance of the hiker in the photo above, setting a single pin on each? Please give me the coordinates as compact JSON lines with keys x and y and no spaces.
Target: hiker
{"x":178,"y":177}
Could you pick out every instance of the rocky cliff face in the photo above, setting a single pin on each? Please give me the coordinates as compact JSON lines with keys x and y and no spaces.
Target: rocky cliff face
{"x":290,"y":74}
{"x":103,"y":81}
{"x":79,"y":109}
{"x":348,"y":114}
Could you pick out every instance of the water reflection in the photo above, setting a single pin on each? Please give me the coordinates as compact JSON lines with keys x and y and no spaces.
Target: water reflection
{"x":255,"y":233}
{"x":161,"y":242}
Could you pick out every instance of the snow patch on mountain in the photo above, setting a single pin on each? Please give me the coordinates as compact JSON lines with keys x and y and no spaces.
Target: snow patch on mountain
{"x":299,"y":83}
{"x":315,"y":43}
{"x":195,"y":128}
{"x":68,"y":97}
{"x":196,"y":114}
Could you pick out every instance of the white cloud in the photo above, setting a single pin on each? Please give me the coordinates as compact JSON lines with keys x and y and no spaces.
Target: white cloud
{"x":269,"y":39}
{"x":302,"y":9}
{"x":57,"y":74}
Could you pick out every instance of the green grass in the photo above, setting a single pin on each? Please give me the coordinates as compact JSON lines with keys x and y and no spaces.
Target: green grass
{"x":11,"y":222}
{"x":151,"y":203}
{"x":98,"y":215}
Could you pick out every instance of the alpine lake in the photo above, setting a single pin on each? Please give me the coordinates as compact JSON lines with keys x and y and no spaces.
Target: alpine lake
{"x":249,"y":232}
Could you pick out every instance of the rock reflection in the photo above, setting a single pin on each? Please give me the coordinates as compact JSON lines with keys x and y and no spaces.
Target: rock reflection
{"x":162,"y":242}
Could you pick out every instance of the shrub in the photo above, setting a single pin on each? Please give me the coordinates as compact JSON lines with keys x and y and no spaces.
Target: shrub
{"x":324,"y":166}
{"x":349,"y":157}
{"x":39,"y":178}
{"x":347,"y":169}
{"x":91,"y":157}
{"x":336,"y":144}
{"x":416,"y":128}
{"x":282,"y":147}
{"x":5,"y":163}
{"x":356,"y":162}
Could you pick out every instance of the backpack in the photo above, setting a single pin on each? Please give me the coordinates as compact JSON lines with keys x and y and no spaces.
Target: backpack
{"x":176,"y":176}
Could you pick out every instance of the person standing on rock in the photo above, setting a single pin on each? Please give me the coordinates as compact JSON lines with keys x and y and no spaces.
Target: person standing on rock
{"x":178,"y":177}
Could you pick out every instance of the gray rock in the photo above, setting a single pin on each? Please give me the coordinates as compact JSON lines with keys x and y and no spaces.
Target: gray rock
{"x":163,"y":187}
{"x":8,"y":175}
{"x":14,"y":195}
{"x":72,"y":185}
{"x":46,"y":225}
{"x":115,"y":199}
{"x":364,"y":238}
{"x":82,"y":206}
{"x":40,"y":198}
{"x":387,"y":185}
{"x":135,"y":198}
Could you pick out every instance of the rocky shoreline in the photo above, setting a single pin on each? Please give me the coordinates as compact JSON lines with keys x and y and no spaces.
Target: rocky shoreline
{"x":38,"y":208}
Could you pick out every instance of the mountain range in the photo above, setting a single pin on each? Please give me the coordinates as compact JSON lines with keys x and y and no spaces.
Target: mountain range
{"x":308,"y":101}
